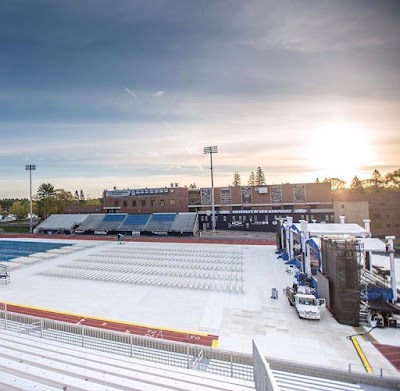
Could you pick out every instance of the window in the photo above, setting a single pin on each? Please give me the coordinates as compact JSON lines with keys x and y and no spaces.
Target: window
{"x":143,"y":202}
{"x":326,"y":217}
{"x":224,"y":218}
{"x":133,"y":203}
{"x":162,"y":203}
{"x":153,"y":203}
{"x":172,"y":202}
{"x":125,"y":204}
{"x":116,"y":203}
{"x":377,"y":216}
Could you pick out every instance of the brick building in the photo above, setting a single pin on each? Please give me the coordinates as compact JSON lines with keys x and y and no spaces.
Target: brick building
{"x":254,"y":208}
{"x":383,"y":208}
{"x":148,"y":200}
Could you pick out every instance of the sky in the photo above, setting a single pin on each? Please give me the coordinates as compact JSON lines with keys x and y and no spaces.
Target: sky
{"x":101,"y":93}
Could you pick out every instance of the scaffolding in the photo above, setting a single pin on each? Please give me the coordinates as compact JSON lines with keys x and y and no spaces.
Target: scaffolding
{"x":340,"y":265}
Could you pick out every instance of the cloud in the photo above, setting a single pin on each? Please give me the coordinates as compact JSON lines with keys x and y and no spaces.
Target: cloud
{"x":158,"y":93}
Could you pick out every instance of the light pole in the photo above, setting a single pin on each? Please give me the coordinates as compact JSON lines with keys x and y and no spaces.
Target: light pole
{"x":210,"y":151}
{"x":30,"y":168}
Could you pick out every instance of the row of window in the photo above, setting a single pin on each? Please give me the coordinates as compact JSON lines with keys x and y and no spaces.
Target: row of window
{"x":143,"y":203}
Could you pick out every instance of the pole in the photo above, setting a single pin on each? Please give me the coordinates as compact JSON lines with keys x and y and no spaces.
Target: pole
{"x":212,"y":196}
{"x":210,"y":150}
{"x":390,"y":249}
{"x":30,"y":198}
{"x":30,"y":168}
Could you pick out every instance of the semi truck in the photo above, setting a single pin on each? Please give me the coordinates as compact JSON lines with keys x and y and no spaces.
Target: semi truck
{"x":307,"y":305}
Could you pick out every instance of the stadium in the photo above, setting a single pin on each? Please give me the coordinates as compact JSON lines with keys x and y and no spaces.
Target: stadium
{"x":92,"y":312}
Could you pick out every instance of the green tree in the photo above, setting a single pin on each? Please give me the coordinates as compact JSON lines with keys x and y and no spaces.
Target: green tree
{"x":252,"y":179}
{"x":192,"y":186}
{"x":356,"y":185}
{"x":260,"y":177}
{"x":93,"y":201}
{"x":20,"y":209}
{"x":82,"y":197}
{"x":45,"y":199}
{"x":392,"y":180}
{"x":317,"y":181}
{"x":236,"y":179}
{"x":62,"y":199}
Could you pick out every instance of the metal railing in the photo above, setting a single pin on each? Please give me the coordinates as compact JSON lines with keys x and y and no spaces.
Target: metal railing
{"x":178,"y":354}
{"x":359,"y":368}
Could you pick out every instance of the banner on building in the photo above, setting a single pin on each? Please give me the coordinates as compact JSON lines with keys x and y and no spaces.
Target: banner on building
{"x":276,"y":194}
{"x":225,"y":196}
{"x":205,"y":196}
{"x":299,"y":193}
{"x":246,"y":195}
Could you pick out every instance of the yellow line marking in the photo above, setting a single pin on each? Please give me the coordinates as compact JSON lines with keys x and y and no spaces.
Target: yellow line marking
{"x":110,"y":320}
{"x":361,"y":354}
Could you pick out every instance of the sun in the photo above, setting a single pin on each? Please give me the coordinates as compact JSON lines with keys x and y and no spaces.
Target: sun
{"x":340,"y":150}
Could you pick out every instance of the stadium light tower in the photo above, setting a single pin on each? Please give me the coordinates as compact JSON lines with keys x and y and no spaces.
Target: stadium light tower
{"x":30,"y":168}
{"x":210,"y":151}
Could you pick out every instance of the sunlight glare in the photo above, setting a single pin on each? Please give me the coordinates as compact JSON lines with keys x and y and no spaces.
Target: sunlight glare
{"x":340,"y":150}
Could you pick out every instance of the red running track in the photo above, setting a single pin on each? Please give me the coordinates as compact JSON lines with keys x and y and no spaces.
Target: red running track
{"x":147,"y":239}
{"x":391,"y":353}
{"x":154,"y":332}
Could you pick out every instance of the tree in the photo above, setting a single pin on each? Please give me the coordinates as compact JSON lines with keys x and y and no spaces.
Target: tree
{"x":46,"y":201}
{"x":376,"y":183}
{"x":93,"y":201}
{"x":392,"y":180}
{"x":82,"y":197}
{"x":76,"y":195}
{"x":192,"y":186}
{"x":236,"y":179}
{"x":50,"y":200}
{"x":20,"y":209}
{"x":252,"y":179}
{"x":317,"y":181}
{"x":260,"y":177}
{"x":357,"y":185}
{"x":337,"y":184}
{"x":62,"y":199}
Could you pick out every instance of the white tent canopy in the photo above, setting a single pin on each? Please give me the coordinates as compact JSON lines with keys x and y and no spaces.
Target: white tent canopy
{"x":374,"y":244}
{"x":318,"y":229}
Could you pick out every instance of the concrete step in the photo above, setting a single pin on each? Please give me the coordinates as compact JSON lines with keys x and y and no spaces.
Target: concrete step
{"x":58,"y":365}
{"x":295,"y":382}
